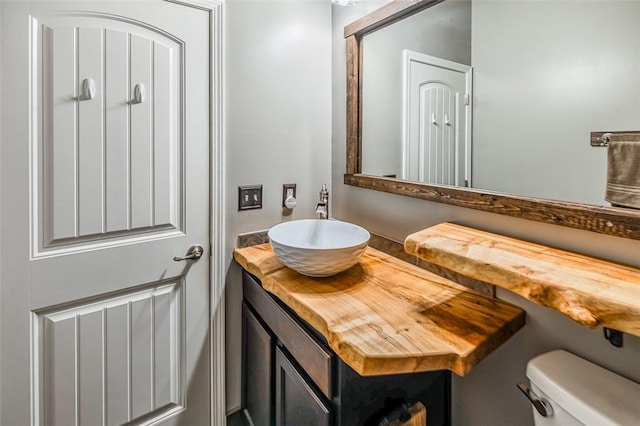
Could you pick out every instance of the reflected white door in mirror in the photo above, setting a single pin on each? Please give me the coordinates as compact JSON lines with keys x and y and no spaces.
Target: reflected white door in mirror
{"x":436,"y":120}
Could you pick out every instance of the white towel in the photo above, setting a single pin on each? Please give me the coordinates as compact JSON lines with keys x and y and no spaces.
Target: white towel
{"x":623,"y":173}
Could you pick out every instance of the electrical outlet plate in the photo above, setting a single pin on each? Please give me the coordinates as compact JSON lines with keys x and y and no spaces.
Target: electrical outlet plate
{"x":285,"y":188}
{"x":249,"y":197}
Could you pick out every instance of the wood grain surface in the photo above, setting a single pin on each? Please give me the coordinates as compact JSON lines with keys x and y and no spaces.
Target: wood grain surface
{"x":385,"y":316}
{"x":619,"y":222}
{"x":590,"y":291}
{"x":386,"y":14}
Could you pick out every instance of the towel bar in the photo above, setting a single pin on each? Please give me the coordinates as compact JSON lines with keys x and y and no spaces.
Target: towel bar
{"x":601,"y":139}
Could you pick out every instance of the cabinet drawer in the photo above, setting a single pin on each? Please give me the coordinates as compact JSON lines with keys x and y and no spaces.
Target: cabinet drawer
{"x":307,"y":351}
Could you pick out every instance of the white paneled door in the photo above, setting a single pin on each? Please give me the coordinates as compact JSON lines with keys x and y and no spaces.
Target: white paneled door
{"x":437,"y":120}
{"x":102,"y":323}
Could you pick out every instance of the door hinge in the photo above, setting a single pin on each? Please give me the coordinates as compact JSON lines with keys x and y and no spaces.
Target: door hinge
{"x":466,"y":99}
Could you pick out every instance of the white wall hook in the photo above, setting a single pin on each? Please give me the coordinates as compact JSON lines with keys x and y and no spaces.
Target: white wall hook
{"x":88,"y":89}
{"x":434,"y":120}
{"x":446,"y":120}
{"x":138,"y":94}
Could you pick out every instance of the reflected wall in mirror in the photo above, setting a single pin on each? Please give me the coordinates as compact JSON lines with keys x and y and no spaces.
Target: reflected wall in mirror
{"x":545,"y":75}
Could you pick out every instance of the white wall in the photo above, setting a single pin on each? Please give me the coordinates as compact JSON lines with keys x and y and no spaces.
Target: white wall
{"x":486,"y":396}
{"x":277,"y":118}
{"x":563,"y":69}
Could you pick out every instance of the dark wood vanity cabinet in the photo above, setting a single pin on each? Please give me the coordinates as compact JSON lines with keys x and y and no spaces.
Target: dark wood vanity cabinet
{"x":296,"y":402}
{"x":291,"y":376}
{"x":274,"y":389}
{"x":258,"y":345}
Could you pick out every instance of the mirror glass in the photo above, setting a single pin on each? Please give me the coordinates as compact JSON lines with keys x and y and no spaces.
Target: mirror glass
{"x":545,"y":74}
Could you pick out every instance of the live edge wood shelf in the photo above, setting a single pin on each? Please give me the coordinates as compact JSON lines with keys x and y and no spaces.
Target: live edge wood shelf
{"x":591,"y":291}
{"x":385,"y":316}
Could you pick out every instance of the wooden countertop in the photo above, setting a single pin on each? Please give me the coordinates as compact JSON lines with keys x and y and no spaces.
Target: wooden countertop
{"x":588,"y":290}
{"x":386,"y":316}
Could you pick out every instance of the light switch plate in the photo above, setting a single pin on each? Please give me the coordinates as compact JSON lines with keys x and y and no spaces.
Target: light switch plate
{"x":249,"y":197}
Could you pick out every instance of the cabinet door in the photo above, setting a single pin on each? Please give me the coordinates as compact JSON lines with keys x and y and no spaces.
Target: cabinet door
{"x":296,"y":402}
{"x":258,"y":378}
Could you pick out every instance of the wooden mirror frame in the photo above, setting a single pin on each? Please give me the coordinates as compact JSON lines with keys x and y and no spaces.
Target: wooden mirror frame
{"x":619,"y":222}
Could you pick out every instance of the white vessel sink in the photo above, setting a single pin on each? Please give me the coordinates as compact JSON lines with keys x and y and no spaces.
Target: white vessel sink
{"x":318,"y":248}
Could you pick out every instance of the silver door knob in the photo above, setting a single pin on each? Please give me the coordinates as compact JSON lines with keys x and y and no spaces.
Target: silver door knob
{"x":194,"y":253}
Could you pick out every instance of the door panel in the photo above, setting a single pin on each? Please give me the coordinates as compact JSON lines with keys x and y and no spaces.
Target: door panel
{"x":121,"y":357}
{"x":112,"y":164}
{"x":116,"y":356}
{"x":165,"y":130}
{"x":88,"y":369}
{"x":437,"y":120}
{"x":438,"y":124}
{"x":117,"y":187}
{"x":90,"y":131}
{"x":141,"y":124}
{"x":59,"y":84}
{"x":117,"y":138}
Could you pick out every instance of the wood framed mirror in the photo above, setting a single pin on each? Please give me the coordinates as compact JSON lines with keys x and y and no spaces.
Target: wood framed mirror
{"x":620,"y":222}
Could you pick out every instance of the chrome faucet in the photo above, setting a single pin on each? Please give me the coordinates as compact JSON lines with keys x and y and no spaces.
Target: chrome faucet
{"x":322,"y":208}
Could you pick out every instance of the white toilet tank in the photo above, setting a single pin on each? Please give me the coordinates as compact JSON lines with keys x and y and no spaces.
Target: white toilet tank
{"x":582,"y":393}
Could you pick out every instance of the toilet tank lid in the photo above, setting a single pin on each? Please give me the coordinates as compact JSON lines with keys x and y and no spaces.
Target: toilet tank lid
{"x":590,"y":393}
